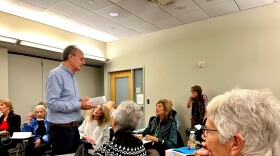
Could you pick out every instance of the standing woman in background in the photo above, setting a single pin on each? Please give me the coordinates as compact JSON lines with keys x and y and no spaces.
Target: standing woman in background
{"x":9,"y":123}
{"x":198,"y":101}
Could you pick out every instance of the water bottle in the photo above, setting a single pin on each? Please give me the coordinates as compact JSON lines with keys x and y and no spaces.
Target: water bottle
{"x":192,"y":140}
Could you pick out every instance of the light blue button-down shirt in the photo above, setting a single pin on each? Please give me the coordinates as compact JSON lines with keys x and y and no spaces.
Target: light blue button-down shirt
{"x":62,"y":96}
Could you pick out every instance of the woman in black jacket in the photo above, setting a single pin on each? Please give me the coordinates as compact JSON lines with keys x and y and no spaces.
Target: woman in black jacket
{"x":9,"y":123}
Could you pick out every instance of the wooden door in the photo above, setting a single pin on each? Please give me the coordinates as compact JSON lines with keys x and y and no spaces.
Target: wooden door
{"x":121,"y":86}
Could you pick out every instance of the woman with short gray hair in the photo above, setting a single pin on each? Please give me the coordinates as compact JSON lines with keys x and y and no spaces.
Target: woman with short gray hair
{"x":241,"y":123}
{"x":127,"y":117}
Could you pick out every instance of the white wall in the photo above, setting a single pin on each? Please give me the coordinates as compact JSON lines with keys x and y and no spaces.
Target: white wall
{"x":240,"y":49}
{"x":4,"y":90}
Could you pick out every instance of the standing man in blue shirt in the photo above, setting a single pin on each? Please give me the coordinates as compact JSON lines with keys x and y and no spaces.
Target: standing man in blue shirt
{"x":64,"y":103}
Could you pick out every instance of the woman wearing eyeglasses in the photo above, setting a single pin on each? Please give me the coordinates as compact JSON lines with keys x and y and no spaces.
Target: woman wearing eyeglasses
{"x":241,"y":123}
{"x":161,"y":131}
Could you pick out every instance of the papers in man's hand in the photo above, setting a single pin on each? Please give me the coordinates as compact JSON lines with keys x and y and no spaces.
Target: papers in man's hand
{"x":21,"y":135}
{"x":97,"y":100}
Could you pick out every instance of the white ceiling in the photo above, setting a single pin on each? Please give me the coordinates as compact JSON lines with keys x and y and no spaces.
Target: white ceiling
{"x":135,"y":16}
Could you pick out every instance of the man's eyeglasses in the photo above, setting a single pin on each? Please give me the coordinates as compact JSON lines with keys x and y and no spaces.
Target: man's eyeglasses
{"x":82,"y":59}
{"x":205,"y":130}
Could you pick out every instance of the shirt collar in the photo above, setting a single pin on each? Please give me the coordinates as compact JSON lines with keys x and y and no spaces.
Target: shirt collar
{"x":66,"y":69}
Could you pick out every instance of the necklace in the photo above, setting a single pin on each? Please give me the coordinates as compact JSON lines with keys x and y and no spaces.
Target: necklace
{"x":157,"y":130}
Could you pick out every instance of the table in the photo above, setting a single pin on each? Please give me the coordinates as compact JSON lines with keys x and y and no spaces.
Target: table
{"x":171,"y":152}
{"x":20,"y":145}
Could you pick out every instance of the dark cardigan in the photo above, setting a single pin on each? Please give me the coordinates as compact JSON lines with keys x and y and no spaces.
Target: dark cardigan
{"x":14,"y":122}
{"x":124,"y":144}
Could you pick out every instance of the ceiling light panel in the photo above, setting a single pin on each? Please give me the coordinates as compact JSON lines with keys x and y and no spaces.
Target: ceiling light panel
{"x":181,"y":7}
{"x":96,"y":5}
{"x":207,"y":3}
{"x":221,"y":9}
{"x":193,"y":16}
{"x":137,"y":6}
{"x":246,"y":4}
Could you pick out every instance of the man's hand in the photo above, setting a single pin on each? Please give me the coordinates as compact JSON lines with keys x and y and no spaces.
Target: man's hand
{"x":84,"y":104}
{"x":37,"y":142}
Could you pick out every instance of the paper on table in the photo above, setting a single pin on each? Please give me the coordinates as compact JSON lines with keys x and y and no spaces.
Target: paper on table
{"x":97,"y":100}
{"x":21,"y":135}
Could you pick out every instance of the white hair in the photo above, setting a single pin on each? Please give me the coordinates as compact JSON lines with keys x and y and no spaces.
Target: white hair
{"x":40,"y":106}
{"x":128,"y":115}
{"x":254,"y":114}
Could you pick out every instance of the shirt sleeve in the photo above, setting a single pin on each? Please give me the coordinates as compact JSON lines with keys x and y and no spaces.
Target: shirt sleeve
{"x":105,"y":137}
{"x":172,"y":139}
{"x":147,"y":130}
{"x":14,"y":124}
{"x":54,"y":90}
{"x":81,"y":129}
{"x":177,"y":121}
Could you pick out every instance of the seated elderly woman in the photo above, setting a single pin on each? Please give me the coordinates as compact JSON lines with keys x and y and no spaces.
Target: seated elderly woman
{"x":39,"y":144}
{"x":94,"y":131}
{"x":241,"y":123}
{"x":127,"y":117}
{"x":9,"y":123}
{"x":162,"y":130}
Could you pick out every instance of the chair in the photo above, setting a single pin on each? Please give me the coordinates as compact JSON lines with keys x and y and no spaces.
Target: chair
{"x":19,"y":149}
{"x":180,"y":142}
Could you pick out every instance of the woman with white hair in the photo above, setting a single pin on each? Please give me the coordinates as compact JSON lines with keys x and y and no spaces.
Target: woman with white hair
{"x":38,"y":126}
{"x":127,"y":117}
{"x":241,"y":123}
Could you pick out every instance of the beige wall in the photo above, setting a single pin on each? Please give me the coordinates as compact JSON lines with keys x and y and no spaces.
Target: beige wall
{"x":4,"y":91}
{"x":27,"y":78}
{"x":21,"y":28}
{"x":240,"y":50}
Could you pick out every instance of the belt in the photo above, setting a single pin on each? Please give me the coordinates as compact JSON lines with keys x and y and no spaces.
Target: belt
{"x":72,"y":124}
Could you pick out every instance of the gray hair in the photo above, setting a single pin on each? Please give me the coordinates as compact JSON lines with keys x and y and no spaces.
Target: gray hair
{"x":71,"y":49}
{"x":40,"y":106}
{"x":128,"y":115}
{"x":254,"y":114}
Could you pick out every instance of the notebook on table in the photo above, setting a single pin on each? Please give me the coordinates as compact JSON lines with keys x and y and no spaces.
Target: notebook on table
{"x":21,"y":135}
{"x":185,"y":150}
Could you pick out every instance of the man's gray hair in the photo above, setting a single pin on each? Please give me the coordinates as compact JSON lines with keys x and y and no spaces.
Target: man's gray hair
{"x":71,"y":49}
{"x":128,"y":115}
{"x":254,"y":114}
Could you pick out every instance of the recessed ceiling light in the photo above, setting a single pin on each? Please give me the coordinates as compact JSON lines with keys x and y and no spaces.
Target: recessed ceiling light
{"x":91,"y":1}
{"x":114,"y":14}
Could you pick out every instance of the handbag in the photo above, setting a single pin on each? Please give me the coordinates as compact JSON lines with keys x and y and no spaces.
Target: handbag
{"x":82,"y":151}
{"x":5,"y":140}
